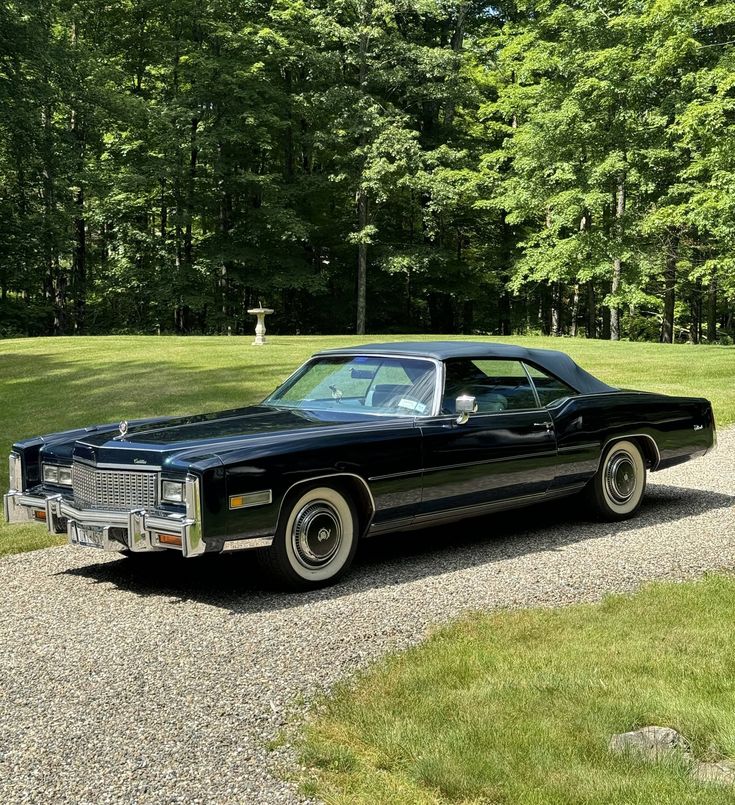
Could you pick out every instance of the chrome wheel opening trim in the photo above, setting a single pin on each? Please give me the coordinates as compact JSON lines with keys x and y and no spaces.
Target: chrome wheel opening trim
{"x":628,"y":437}
{"x":327,"y":477}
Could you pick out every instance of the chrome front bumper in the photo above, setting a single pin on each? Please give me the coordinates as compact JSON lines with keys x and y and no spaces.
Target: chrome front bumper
{"x":140,"y":531}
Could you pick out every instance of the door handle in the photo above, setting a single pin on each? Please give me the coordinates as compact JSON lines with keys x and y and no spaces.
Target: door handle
{"x":542,"y":426}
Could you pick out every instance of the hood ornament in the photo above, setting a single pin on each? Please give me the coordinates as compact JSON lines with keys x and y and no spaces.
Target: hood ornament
{"x":123,"y":428}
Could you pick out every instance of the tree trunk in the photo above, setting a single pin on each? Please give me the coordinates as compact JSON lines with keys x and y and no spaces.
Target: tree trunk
{"x":556,"y":314}
{"x":288,"y":145}
{"x":225,"y":221}
{"x":79,"y":255}
{"x":544,"y":309}
{"x":456,"y":44}
{"x":575,"y":311}
{"x":193,"y":156}
{"x":59,"y":291}
{"x":672,"y":258}
{"x":164,"y":212}
{"x":712,"y":308}
{"x":505,"y":321}
{"x":363,"y":206}
{"x":617,"y":262}
{"x":363,"y":215}
{"x":591,"y":310}
{"x":605,"y":329}
{"x":79,"y":263}
{"x":695,"y":332}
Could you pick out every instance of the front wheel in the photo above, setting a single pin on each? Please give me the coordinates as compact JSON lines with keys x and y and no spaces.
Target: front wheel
{"x":616,"y":492}
{"x":316,"y":539}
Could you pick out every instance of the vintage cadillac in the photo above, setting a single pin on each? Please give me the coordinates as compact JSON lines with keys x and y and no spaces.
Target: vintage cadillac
{"x":357,"y":442}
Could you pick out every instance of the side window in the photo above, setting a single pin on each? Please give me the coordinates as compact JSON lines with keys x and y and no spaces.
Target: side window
{"x":497,"y":385}
{"x":548,"y":387}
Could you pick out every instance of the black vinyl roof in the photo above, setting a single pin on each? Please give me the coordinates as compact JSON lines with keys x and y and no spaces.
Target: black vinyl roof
{"x":555,"y":362}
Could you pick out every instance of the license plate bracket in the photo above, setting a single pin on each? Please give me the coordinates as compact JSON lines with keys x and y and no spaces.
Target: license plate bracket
{"x":88,"y":536}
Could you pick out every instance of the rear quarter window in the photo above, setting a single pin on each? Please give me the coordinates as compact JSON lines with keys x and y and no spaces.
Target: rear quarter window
{"x":549,"y":388}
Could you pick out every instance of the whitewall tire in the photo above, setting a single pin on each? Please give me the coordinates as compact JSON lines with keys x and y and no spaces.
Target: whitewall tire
{"x":316,"y":538}
{"x":617,"y":490}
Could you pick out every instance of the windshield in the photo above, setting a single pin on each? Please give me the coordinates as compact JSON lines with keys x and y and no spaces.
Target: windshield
{"x":369,"y":384}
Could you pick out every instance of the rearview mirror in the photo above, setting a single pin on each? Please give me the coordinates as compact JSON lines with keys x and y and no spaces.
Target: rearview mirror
{"x":465,"y":405}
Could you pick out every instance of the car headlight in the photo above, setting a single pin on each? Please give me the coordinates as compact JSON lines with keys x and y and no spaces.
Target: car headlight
{"x":172,"y":491}
{"x":54,"y":474}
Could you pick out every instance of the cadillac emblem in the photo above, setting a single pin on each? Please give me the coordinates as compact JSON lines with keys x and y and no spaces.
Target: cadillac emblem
{"x":123,"y":427}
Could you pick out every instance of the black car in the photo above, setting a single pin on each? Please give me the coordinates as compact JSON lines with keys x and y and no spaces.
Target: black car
{"x":358,"y":441}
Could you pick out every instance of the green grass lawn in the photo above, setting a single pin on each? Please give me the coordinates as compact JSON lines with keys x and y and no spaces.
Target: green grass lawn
{"x":49,"y":384}
{"x":518,"y":707}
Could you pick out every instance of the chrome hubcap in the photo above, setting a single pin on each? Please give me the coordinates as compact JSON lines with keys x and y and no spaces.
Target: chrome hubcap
{"x":317,"y":534}
{"x":620,"y":477}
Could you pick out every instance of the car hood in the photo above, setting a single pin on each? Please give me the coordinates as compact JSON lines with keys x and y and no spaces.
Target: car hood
{"x":195,"y":439}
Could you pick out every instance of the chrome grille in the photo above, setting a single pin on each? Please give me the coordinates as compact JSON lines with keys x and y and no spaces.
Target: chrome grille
{"x":112,"y":489}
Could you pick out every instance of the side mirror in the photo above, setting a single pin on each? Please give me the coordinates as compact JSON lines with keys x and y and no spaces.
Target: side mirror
{"x":465,"y":405}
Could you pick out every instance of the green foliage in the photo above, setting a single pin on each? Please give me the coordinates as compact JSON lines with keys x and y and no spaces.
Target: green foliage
{"x":171,"y":165}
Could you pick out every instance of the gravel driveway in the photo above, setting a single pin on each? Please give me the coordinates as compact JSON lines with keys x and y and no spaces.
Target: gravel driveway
{"x":162,"y":680}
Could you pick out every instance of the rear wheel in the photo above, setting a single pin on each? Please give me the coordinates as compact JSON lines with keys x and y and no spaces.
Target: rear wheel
{"x":316,"y":539}
{"x":616,"y":492}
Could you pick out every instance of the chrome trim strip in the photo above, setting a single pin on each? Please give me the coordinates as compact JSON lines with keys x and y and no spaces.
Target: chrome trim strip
{"x":499,"y":460}
{"x":427,"y":519}
{"x":577,"y":447}
{"x":395,"y":475}
{"x":107,"y":466}
{"x":533,"y":385}
{"x":247,"y":544}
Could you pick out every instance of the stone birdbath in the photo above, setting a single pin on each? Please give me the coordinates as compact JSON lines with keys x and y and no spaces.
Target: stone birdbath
{"x":261,"y":312}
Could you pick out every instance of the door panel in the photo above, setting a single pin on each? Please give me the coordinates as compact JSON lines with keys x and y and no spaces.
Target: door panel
{"x":490,"y":458}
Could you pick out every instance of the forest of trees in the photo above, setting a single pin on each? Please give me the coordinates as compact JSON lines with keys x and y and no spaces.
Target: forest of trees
{"x":564,"y":167}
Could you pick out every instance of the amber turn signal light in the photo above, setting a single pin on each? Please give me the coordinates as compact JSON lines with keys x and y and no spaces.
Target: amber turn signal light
{"x":41,"y":515}
{"x":169,"y":539}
